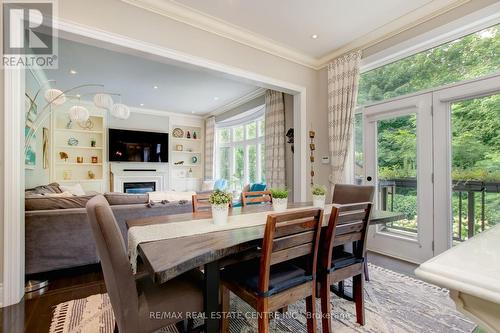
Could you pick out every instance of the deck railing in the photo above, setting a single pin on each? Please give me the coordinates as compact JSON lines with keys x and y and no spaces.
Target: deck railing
{"x":466,"y":215}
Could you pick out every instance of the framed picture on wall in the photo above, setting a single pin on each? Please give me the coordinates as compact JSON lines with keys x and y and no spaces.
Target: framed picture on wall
{"x":30,"y":154}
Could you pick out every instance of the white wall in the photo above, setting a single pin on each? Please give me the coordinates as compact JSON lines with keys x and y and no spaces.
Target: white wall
{"x":141,"y":122}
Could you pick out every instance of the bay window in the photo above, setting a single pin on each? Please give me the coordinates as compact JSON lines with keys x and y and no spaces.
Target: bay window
{"x":240,"y":151}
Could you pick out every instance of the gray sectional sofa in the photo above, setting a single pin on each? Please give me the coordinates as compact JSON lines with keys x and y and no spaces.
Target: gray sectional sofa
{"x":58,"y":235}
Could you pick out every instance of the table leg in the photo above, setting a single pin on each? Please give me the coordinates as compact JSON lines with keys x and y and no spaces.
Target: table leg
{"x":211,"y":299}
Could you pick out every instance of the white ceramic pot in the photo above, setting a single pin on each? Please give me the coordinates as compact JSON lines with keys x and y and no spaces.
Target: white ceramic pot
{"x":319,"y":201}
{"x":220,"y":213}
{"x":280,"y":205}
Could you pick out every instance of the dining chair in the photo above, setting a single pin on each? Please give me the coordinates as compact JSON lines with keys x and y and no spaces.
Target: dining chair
{"x":348,"y":194}
{"x":347,"y":223}
{"x":200,"y":202}
{"x":274,"y":281}
{"x":134,"y":300}
{"x":255,"y":197}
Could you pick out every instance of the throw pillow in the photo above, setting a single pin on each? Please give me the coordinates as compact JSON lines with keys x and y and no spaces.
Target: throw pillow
{"x":257,"y":187}
{"x":74,"y":189}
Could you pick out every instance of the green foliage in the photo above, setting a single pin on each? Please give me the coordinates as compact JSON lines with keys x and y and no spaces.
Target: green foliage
{"x":475,"y":125}
{"x":467,"y":58}
{"x":318,"y":189}
{"x":279,"y":193}
{"x":219,"y":197}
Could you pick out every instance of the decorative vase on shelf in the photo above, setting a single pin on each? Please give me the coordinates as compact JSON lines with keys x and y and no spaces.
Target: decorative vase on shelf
{"x":280,"y":205}
{"x":220,"y":213}
{"x":319,"y":201}
{"x":188,"y":135}
{"x":194,"y":135}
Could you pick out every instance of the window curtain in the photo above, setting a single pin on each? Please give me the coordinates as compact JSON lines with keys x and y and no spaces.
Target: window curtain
{"x":275,"y":139}
{"x":209,"y":148}
{"x":343,"y":79}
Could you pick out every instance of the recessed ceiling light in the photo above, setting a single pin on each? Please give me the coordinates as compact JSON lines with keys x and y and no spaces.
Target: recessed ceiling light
{"x":78,"y":95}
{"x":155,"y":87}
{"x":216,"y":98}
{"x":314,"y":36}
{"x":142,"y":104}
{"x":73,"y":72}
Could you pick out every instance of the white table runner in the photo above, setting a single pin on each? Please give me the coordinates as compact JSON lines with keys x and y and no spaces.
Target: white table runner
{"x":156,"y":232}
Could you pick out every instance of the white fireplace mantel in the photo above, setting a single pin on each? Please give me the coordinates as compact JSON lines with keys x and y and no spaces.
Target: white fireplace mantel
{"x":125,"y":172}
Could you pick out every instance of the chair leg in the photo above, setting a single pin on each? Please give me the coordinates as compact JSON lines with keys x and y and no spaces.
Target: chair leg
{"x":367,"y":276}
{"x":326,"y":308}
{"x":226,"y":307}
{"x":358,"y":291}
{"x":263,"y":316}
{"x":311,"y":311}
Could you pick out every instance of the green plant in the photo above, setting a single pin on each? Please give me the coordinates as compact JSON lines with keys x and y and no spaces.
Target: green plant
{"x":318,"y":190}
{"x":279,"y":193}
{"x":219,"y":197}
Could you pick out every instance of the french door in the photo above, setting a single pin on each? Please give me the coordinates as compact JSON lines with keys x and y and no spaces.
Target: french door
{"x":399,"y":163}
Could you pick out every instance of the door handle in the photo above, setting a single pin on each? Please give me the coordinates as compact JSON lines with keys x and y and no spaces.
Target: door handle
{"x":369,"y":178}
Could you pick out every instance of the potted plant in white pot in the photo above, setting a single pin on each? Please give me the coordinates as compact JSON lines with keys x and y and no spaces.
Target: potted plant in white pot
{"x":319,"y":195}
{"x":220,"y":206}
{"x":280,"y":199}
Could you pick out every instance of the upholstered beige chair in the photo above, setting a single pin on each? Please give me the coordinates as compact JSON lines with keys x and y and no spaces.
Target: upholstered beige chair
{"x":344,"y":194}
{"x":135,"y":302}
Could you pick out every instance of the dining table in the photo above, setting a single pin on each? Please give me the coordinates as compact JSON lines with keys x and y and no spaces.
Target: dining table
{"x":165,"y":259}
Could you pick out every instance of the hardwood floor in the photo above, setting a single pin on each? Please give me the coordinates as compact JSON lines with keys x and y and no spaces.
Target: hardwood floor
{"x":34,"y":315}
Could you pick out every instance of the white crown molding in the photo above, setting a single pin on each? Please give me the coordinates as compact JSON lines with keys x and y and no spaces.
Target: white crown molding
{"x":237,"y":102}
{"x":161,"y":113}
{"x":200,"y":20}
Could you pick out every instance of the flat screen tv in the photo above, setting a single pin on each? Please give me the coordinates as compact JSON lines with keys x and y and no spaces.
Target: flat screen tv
{"x":137,"y":146}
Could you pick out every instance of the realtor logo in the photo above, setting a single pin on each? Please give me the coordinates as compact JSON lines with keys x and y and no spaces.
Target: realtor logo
{"x":28,"y":34}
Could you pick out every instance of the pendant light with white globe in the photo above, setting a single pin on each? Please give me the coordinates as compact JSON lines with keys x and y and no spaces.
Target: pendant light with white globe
{"x":78,"y":114}
{"x":103,"y":101}
{"x":120,"y":111}
{"x":55,"y":97}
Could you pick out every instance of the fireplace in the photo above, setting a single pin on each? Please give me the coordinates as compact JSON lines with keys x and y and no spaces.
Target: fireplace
{"x":139,"y":187}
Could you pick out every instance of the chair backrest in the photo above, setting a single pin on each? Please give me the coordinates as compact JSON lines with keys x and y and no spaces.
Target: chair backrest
{"x":347,"y":193}
{"x":255,"y":197}
{"x":118,"y":276}
{"x":347,"y":224}
{"x":288,"y":236}
{"x":200,"y":202}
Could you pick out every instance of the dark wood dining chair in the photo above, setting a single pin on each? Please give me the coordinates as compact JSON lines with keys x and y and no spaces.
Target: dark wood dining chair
{"x":348,"y":223}
{"x":134,"y":299}
{"x":200,"y":202}
{"x":348,"y":194}
{"x":274,"y":281}
{"x":255,"y":197}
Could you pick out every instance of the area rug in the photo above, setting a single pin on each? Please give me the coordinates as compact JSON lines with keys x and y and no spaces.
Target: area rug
{"x":394,"y":303}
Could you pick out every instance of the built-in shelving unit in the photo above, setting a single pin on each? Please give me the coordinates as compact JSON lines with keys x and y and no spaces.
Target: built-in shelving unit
{"x":188,"y":175}
{"x":90,"y":144}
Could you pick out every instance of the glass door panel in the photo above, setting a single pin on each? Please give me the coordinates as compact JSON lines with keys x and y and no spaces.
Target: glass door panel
{"x":397,"y":172}
{"x":475,"y":166}
{"x":398,"y":162}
